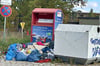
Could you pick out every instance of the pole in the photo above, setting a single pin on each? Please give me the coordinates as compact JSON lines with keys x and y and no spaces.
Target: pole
{"x":99,"y":21}
{"x":4,"y":37}
{"x":98,"y":28}
{"x":99,"y":25}
{"x":22,"y":33}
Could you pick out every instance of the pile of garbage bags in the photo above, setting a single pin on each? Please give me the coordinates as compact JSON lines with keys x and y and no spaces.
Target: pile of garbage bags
{"x":32,"y":52}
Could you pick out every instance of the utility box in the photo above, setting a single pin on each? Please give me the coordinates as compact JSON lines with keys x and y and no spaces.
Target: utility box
{"x":44,"y":22}
{"x":81,"y":42}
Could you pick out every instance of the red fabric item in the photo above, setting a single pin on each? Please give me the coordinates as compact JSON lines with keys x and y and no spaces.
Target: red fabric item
{"x":43,"y":39}
{"x":40,"y":43}
{"x":43,"y":61}
{"x":24,"y":45}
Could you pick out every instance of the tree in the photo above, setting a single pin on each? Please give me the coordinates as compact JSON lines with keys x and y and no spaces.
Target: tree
{"x":22,"y":9}
{"x":77,"y":2}
{"x":65,"y":6}
{"x":11,"y":19}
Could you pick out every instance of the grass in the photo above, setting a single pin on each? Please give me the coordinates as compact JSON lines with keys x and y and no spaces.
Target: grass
{"x":11,"y":39}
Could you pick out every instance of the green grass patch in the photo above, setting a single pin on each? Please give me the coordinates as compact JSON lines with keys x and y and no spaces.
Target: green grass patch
{"x":5,"y":44}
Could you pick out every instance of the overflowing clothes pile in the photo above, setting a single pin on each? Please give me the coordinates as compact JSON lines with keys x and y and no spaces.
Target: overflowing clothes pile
{"x":32,"y":52}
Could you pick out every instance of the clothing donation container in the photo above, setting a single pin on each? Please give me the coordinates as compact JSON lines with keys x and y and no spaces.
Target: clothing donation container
{"x":44,"y":22}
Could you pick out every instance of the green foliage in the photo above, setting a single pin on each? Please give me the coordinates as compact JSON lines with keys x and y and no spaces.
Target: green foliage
{"x":5,"y":44}
{"x":57,"y":60}
{"x":22,"y":10}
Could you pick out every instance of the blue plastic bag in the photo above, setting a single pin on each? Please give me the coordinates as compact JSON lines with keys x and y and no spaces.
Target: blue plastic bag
{"x":11,"y":53}
{"x":13,"y":47}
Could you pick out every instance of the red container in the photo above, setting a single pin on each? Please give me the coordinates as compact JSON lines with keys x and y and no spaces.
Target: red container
{"x":44,"y":22}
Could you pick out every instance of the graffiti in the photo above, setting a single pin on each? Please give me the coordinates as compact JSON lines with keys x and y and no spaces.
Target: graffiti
{"x":95,"y":41}
{"x":96,"y":51}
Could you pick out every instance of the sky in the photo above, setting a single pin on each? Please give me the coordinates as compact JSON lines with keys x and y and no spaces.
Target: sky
{"x":91,"y":4}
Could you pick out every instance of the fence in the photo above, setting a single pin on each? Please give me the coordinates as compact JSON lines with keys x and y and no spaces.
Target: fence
{"x":11,"y":35}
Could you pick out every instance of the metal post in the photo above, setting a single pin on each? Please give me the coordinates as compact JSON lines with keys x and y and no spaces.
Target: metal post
{"x":4,"y":37}
{"x":22,"y":33}
{"x":99,"y":21}
{"x":99,"y":26}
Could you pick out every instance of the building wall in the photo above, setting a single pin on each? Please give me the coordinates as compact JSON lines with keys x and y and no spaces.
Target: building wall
{"x":89,"y":21}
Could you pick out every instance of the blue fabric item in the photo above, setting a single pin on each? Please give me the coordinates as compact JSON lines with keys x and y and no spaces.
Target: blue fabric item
{"x":34,"y":56}
{"x":20,"y":57}
{"x":44,"y":56}
{"x":50,"y":56}
{"x":11,"y":53}
{"x":30,"y":43}
{"x":51,"y":45}
{"x":12,"y":47}
{"x":48,"y":40}
{"x":34,"y":39}
{"x":46,"y":49}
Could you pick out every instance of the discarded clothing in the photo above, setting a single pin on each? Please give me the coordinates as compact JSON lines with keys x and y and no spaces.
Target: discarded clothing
{"x":23,"y":46}
{"x":51,"y":45}
{"x":43,"y":61}
{"x":44,"y":56}
{"x":30,"y":43}
{"x":47,"y":55}
{"x":43,"y":39}
{"x":32,"y":52}
{"x":34,"y":39}
{"x":50,"y":56}
{"x":46,"y":49}
{"x":20,"y":57}
{"x":19,"y":47}
{"x":48,"y":40}
{"x":39,"y":47}
{"x":34,"y":56}
{"x":40,"y":43}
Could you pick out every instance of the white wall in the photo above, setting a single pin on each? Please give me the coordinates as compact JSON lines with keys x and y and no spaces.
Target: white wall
{"x":92,"y":48}
{"x":73,"y":44}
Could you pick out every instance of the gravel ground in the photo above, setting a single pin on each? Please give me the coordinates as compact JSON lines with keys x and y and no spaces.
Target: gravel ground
{"x":24,"y":63}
